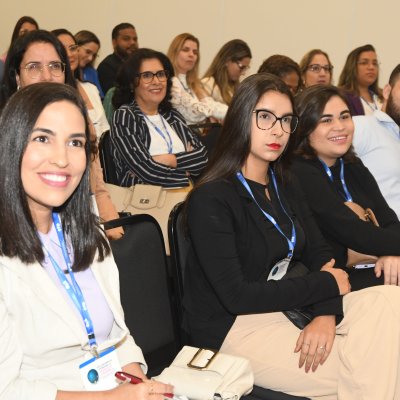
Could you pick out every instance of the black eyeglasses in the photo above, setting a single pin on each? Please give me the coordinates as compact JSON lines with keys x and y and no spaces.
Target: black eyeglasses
{"x":317,"y":68}
{"x":266,"y":120}
{"x":148,"y":76}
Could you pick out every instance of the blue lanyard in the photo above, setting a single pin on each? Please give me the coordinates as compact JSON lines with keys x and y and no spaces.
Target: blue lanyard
{"x":330,"y":176}
{"x":186,"y":88}
{"x":292,"y":241}
{"x":73,"y":291}
{"x":161,"y":133}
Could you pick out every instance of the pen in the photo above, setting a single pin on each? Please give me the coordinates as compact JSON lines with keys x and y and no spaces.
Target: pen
{"x":134,"y":380}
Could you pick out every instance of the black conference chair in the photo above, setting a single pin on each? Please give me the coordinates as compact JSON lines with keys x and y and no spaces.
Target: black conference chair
{"x":146,"y":289}
{"x":179,"y":246}
{"x":107,"y":159}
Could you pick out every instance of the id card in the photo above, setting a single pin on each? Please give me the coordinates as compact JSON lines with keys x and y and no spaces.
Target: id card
{"x":279,"y":270}
{"x":363,"y":266}
{"x":99,"y":373}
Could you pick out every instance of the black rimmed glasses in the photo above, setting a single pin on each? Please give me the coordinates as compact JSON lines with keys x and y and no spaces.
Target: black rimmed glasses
{"x":148,"y":76}
{"x":35,"y":69}
{"x":242,"y":67}
{"x":266,"y":120}
{"x":317,"y":68}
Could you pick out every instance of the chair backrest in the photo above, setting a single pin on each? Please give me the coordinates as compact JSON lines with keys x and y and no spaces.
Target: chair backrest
{"x":146,"y":292}
{"x":107,"y":159}
{"x":179,"y":245}
{"x":108,"y":106}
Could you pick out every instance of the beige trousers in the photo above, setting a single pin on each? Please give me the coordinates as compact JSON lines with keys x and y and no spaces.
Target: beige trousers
{"x":363,"y":364}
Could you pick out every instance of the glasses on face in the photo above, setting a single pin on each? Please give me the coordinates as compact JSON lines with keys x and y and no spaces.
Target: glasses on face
{"x":148,"y":76}
{"x":365,"y":63}
{"x":317,"y":68}
{"x":242,"y":67}
{"x":35,"y":69}
{"x":266,"y":120}
{"x":73,"y":48}
{"x":89,"y":52}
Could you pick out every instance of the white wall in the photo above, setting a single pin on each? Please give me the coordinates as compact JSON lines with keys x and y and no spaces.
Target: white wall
{"x":287,"y":27}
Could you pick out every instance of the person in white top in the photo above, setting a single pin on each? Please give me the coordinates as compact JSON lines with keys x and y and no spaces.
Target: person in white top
{"x":377,"y":142}
{"x":188,"y":95}
{"x":59,"y":287}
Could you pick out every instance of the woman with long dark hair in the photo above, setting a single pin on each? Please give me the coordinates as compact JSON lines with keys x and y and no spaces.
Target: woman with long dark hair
{"x":63,"y":334}
{"x":251,"y":233}
{"x":359,"y":79}
{"x":345,"y":199}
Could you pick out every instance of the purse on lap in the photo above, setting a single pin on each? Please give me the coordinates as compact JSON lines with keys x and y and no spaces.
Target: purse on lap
{"x":367,"y":215}
{"x":203,"y":374}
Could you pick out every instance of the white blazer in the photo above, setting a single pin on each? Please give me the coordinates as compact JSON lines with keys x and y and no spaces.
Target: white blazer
{"x":42,"y":342}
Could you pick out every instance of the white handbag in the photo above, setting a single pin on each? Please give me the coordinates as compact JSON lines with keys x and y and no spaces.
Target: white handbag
{"x":202,"y":374}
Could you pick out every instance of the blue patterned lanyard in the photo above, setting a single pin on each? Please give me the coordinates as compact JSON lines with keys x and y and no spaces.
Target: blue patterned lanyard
{"x":161,"y":133}
{"x":292,"y":241}
{"x":73,"y":291}
{"x":330,"y":176}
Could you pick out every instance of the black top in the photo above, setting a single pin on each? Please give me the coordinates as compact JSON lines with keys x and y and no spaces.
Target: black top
{"x":341,"y":227}
{"x":107,"y":71}
{"x":234,"y":246}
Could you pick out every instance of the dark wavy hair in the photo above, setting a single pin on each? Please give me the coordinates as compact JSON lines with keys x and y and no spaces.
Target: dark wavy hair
{"x":18,"y":235}
{"x":16,"y":54}
{"x":128,"y":77}
{"x":233,"y":145}
{"x":348,"y":77}
{"x":280,"y":65}
{"x":310,"y":105}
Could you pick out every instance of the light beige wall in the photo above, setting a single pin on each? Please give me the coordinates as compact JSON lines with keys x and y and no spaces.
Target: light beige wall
{"x":287,"y":27}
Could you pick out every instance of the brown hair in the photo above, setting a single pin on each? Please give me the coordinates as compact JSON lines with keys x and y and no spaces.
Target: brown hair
{"x":192,"y":77}
{"x":234,"y":50}
{"x":348,"y":77}
{"x":307,"y":58}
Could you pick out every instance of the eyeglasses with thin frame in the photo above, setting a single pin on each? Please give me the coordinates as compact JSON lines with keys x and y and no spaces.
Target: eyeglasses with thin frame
{"x":35,"y":69}
{"x":148,"y":76}
{"x":242,"y":67}
{"x":73,"y":48}
{"x":266,"y":120}
{"x":317,"y":68}
{"x":365,"y":63}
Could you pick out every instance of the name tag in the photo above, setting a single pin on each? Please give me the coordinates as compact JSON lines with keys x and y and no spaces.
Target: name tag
{"x":279,"y":270}
{"x":99,"y":373}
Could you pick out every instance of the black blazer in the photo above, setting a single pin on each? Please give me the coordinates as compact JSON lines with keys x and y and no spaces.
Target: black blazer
{"x":341,"y":227}
{"x":234,"y":246}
